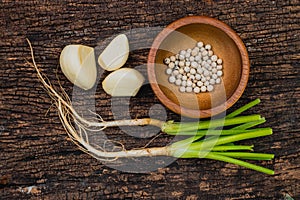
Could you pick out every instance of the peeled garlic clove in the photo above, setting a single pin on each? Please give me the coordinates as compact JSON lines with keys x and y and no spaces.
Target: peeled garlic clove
{"x":123,"y":82}
{"x":115,"y":54}
{"x":79,"y":65}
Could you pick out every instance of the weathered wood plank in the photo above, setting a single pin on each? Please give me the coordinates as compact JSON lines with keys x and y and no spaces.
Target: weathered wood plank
{"x":35,"y":150}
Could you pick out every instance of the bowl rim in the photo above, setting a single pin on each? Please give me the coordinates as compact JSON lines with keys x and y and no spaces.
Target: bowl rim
{"x":188,"y":112}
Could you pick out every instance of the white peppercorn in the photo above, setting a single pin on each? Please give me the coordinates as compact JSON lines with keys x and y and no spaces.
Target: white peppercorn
{"x":172,"y":58}
{"x":178,"y":82}
{"x":196,"y":89}
{"x":172,"y":79}
{"x":193,"y":71}
{"x":194,"y":53}
{"x":200,"y":70}
{"x":219,"y":73}
{"x":214,"y":58}
{"x":187,"y":63}
{"x":208,"y":46}
{"x":184,"y":78}
{"x":219,"y":67}
{"x":204,"y":53}
{"x":182,"y":89}
{"x":181,"y":57}
{"x":200,"y":44}
{"x":179,"y":76}
{"x":194,"y":64}
{"x":198,"y":76}
{"x":196,"y":49}
{"x":171,"y":65}
{"x":206,"y":73}
{"x":168,"y":71}
{"x":200,"y":83}
{"x":189,"y":83}
{"x":181,"y":63}
{"x":186,"y":69}
{"x":203,"y":88}
{"x":175,"y":72}
{"x":189,"y":89}
{"x":167,"y":61}
{"x":181,"y":71}
{"x":182,"y":52}
{"x":205,"y":58}
{"x":212,"y":81}
{"x":219,"y":61}
{"x":214,"y":76}
{"x":210,"y":88}
{"x":206,"y":65}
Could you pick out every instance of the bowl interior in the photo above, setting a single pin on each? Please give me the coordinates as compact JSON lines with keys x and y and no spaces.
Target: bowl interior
{"x":223,"y":46}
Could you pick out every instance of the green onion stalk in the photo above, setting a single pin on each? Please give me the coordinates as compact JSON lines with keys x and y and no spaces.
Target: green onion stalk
{"x":207,"y":141}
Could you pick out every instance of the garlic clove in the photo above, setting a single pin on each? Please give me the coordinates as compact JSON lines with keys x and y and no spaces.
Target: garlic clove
{"x":123,"y":82}
{"x":115,"y":54}
{"x":79,"y":65}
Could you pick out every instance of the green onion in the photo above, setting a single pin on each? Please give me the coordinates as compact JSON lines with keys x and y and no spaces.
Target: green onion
{"x":209,"y":143}
{"x":192,"y":126}
{"x":243,"y":108}
{"x":246,"y":155}
{"x":218,"y":144}
{"x":215,"y":156}
{"x":249,"y":124}
{"x":232,"y":131}
{"x":233,"y":148}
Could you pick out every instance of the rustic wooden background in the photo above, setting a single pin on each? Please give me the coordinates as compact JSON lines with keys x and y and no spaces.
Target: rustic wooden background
{"x":36,"y":153}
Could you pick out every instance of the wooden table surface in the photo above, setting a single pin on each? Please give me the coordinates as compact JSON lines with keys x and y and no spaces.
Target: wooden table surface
{"x":38,"y":161}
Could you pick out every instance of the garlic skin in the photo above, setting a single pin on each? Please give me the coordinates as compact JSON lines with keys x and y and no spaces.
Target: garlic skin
{"x":123,"y":82}
{"x":79,"y":65}
{"x":115,"y":55}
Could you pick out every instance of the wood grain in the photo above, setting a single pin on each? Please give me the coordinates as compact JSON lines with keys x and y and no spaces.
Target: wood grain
{"x":35,"y":151}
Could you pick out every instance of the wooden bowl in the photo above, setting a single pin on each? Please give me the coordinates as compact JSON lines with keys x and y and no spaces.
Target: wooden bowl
{"x":226,"y":44}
